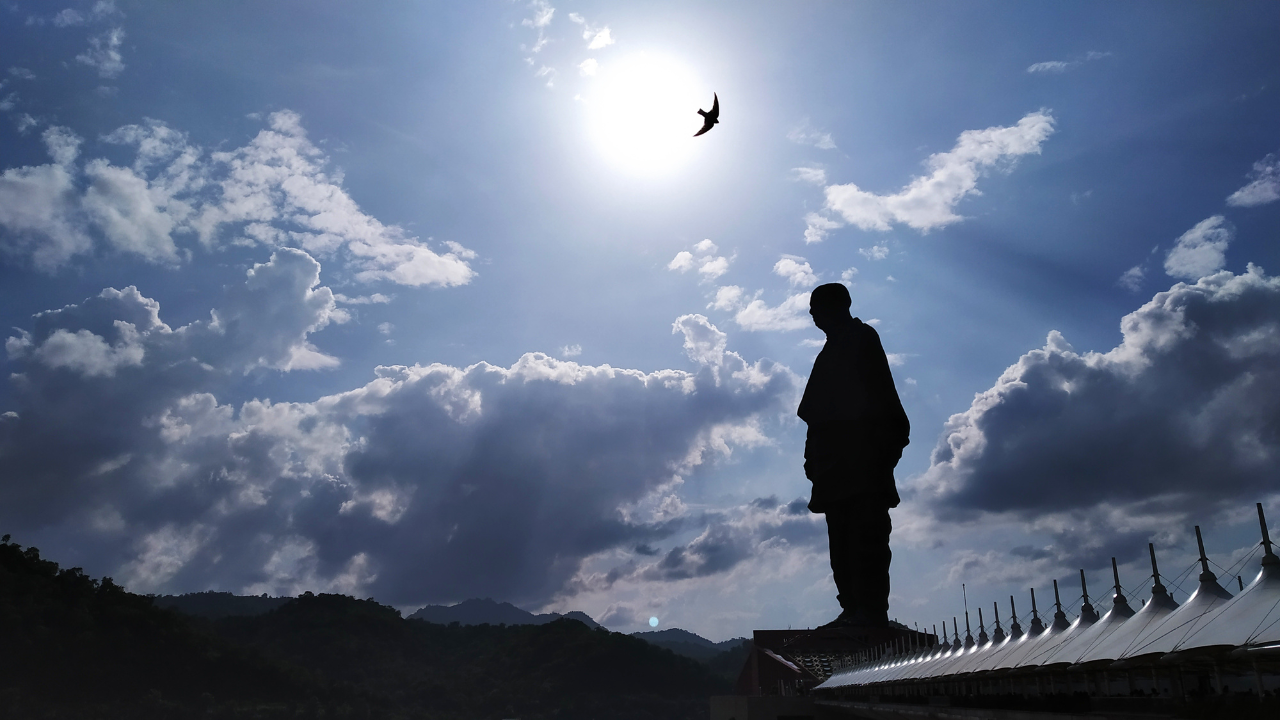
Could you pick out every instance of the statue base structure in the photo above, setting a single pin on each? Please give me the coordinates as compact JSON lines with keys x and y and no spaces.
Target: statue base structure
{"x":784,"y":665}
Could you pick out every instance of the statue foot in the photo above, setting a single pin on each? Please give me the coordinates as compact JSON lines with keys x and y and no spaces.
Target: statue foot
{"x":856,"y":618}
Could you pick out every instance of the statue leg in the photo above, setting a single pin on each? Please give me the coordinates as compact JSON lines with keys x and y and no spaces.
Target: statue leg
{"x":860,"y":558}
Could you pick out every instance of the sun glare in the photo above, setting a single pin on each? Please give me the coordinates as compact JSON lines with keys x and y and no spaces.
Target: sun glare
{"x":643,"y":113}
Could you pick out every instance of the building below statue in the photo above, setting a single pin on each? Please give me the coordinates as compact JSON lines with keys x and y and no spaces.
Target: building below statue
{"x":784,"y":665}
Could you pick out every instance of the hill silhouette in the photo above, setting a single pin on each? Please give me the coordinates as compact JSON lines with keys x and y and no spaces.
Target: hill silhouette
{"x":122,"y":656}
{"x":690,"y":645}
{"x":487,"y":611}
{"x":213,"y":605}
{"x":79,"y":647}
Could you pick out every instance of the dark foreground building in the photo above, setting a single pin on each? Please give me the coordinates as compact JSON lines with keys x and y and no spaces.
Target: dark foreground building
{"x":1216,"y":655}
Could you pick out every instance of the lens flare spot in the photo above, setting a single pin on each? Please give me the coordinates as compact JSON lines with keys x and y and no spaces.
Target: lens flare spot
{"x":653,"y":622}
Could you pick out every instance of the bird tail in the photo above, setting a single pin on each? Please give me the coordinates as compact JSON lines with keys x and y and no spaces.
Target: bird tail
{"x":703,"y":113}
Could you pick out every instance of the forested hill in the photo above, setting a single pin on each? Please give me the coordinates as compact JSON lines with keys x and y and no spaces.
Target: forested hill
{"x":215,"y":605}
{"x":327,"y":656}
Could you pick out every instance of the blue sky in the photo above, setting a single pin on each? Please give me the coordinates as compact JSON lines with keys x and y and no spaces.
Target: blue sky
{"x":437,"y":301}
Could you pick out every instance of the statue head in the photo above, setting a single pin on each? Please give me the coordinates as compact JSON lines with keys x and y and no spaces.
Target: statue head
{"x":829,"y":305}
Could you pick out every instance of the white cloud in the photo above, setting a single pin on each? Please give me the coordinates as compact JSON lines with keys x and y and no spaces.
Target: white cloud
{"x":596,"y":37}
{"x":875,"y":252}
{"x":103,"y":54}
{"x":38,"y":206}
{"x":709,"y":265}
{"x":131,"y":214}
{"x":713,"y":268}
{"x":1050,"y":66}
{"x":549,"y":73}
{"x":682,"y":262}
{"x":600,"y":39}
{"x":1132,"y":278}
{"x":63,"y":145}
{"x":897,"y":359}
{"x":817,"y":226}
{"x":727,"y":297}
{"x":24,"y":123}
{"x":796,"y":270}
{"x":806,"y":134}
{"x":283,"y":293}
{"x":927,"y":202}
{"x":1263,"y":187}
{"x":22,"y":73}
{"x":263,"y":322}
{"x":385,"y":328}
{"x":847,"y":276}
{"x":542,"y":14}
{"x":1061,"y":66}
{"x":1121,"y":443}
{"x":571,"y":350}
{"x":68,"y":18}
{"x":374,"y":299}
{"x":274,"y":191}
{"x":588,"y":67}
{"x":541,"y":20}
{"x":90,"y":354}
{"x":792,"y":314}
{"x":1201,"y":250}
{"x":279,"y":179}
{"x":814,"y":175}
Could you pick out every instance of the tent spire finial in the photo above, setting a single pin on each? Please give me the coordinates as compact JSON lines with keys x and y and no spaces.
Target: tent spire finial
{"x":1156,"y":588}
{"x":1119,"y":603}
{"x":1268,"y":557}
{"x":968,"y":633}
{"x":1015,"y":630}
{"x":1037,"y":626}
{"x":1087,"y":613}
{"x":998,"y":635}
{"x":1206,"y":575}
{"x":1059,"y":618}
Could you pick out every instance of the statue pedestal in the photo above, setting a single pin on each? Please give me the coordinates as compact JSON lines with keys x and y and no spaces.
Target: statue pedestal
{"x":790,"y":662}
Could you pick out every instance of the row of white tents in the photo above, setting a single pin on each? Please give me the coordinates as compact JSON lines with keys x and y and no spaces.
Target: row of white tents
{"x":1212,"y":627}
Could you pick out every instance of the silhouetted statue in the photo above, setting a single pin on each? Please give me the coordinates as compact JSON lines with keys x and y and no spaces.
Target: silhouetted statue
{"x":711,"y":117}
{"x":857,"y":430}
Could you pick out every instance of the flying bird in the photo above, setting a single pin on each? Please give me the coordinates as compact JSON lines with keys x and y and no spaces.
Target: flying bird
{"x":710,"y":118}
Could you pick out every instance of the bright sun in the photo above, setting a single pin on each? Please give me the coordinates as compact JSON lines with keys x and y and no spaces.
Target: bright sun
{"x":643,"y":113}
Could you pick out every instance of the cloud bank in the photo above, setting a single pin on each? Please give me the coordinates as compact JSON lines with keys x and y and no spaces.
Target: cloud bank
{"x":1102,"y":451}
{"x":427,"y":484}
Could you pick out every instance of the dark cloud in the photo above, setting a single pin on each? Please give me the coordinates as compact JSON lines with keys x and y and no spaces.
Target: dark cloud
{"x":1105,"y":450}
{"x":727,"y":539}
{"x":429,"y":484}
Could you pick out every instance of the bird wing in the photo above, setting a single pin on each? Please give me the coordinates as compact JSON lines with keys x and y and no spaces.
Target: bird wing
{"x":710,"y":118}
